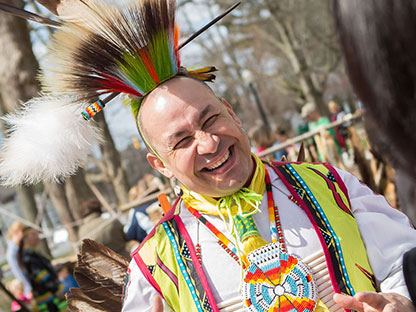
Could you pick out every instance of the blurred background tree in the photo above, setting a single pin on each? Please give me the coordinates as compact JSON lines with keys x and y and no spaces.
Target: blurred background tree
{"x":289,"y":46}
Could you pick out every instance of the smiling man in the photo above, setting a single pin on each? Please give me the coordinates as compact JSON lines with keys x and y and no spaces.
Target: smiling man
{"x":331,"y":227}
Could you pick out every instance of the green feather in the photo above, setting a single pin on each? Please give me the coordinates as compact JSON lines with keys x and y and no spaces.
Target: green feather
{"x":136,"y":71}
{"x":135,"y":105}
{"x":159,"y":52}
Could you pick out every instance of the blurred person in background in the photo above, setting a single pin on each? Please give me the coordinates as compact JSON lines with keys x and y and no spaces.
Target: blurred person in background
{"x":280,"y":135}
{"x":139,"y":224}
{"x":262,"y":138}
{"x":14,"y":236}
{"x":341,"y":131}
{"x":313,"y":117}
{"x":108,"y":232}
{"x":65,"y":275}
{"x":316,"y":121}
{"x":48,"y":291}
{"x":16,"y":287}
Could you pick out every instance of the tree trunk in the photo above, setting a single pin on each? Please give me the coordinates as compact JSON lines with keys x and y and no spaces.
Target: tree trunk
{"x":19,"y":66}
{"x":298,"y":62}
{"x":77,"y":191}
{"x":290,"y":47}
{"x":26,"y":199}
{"x":111,"y":158}
{"x":59,"y":200}
{"x":18,"y":69}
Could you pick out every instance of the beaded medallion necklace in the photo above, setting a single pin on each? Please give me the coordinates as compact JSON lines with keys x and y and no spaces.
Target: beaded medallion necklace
{"x":273,"y":279}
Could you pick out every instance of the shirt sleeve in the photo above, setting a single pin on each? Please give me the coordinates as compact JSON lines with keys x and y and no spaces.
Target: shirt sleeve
{"x":386,"y":232}
{"x":11,"y":256}
{"x":139,"y":294}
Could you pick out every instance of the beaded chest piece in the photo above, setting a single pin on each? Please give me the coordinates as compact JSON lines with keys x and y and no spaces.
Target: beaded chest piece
{"x":277,"y":281}
{"x":274,"y":280}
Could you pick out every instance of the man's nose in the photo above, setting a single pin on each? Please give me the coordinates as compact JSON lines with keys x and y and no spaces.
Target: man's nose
{"x":207,"y":143}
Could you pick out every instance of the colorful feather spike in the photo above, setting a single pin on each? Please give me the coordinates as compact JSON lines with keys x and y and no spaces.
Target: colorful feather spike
{"x":128,"y":47}
{"x":203,"y":74}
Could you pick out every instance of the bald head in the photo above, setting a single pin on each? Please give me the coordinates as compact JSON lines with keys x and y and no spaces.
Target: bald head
{"x":180,"y":89}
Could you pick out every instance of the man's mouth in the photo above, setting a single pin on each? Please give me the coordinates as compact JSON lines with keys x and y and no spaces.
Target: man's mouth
{"x":219,"y":163}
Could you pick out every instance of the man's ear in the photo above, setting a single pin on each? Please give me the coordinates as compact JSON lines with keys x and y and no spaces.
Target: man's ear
{"x":158,"y":165}
{"x":231,"y":112}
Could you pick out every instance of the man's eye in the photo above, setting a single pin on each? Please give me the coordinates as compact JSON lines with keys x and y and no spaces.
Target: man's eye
{"x":210,"y":121}
{"x":183,"y":142}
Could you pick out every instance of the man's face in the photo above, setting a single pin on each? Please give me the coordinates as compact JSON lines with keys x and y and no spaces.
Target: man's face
{"x":199,"y":138}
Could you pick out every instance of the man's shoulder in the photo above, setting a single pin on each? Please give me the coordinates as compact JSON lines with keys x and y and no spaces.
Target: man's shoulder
{"x":276,"y":164}
{"x":300,"y":168}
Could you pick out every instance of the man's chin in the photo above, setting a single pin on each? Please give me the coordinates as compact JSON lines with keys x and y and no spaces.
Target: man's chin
{"x":222,"y":190}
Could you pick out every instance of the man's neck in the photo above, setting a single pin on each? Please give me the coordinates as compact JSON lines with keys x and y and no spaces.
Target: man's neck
{"x":247,"y":184}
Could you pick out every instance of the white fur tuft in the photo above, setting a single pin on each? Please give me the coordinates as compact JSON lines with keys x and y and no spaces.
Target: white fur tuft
{"x":48,"y":140}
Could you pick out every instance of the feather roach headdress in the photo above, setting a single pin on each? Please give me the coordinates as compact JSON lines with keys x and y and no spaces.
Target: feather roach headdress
{"x":128,"y":47}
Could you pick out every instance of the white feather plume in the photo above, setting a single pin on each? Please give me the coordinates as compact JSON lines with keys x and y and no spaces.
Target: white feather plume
{"x":47,"y":141}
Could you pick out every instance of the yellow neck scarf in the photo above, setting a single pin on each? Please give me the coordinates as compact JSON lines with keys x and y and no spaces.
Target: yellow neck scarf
{"x":238,"y":208}
{"x":244,"y":202}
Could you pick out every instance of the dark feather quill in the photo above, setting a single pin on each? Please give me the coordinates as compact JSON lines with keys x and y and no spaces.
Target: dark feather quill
{"x":28,"y":15}
{"x":204,"y":28}
{"x":100,"y":273}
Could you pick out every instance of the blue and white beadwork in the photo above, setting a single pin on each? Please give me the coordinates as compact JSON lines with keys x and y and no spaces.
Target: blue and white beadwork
{"x":277,"y":281}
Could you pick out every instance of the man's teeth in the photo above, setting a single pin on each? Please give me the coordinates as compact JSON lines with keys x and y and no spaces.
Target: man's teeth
{"x":220,"y":162}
